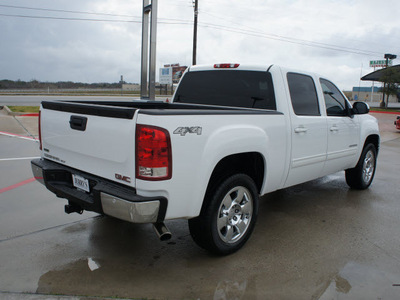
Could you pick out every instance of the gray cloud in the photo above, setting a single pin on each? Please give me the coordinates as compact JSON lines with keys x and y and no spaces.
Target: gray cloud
{"x":258,"y":32}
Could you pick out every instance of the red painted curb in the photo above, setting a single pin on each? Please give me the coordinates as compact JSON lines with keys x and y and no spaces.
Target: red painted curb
{"x":14,"y":186}
{"x":385,"y":112}
{"x":30,"y":115}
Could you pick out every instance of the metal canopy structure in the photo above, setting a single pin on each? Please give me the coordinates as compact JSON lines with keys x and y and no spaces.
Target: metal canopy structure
{"x":379,"y":75}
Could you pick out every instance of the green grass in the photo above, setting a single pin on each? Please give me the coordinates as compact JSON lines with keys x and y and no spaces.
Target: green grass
{"x":24,"y":109}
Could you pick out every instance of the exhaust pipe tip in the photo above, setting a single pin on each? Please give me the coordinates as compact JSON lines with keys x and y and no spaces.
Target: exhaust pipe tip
{"x":162,"y":231}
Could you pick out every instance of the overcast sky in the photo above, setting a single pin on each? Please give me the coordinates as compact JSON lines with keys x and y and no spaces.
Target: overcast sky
{"x":100,"y":40}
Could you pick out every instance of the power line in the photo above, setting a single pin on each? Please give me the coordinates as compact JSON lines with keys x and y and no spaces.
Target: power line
{"x":69,"y":19}
{"x":79,"y":12}
{"x":293,"y":41}
{"x":253,"y":32}
{"x":67,"y":11}
{"x":290,"y":39}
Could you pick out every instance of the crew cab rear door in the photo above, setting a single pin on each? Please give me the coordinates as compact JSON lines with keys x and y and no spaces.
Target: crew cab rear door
{"x":308,"y":130}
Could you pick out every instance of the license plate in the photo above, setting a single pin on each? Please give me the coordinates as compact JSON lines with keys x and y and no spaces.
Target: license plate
{"x":80,"y":183}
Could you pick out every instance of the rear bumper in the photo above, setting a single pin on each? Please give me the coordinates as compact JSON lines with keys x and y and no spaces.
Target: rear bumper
{"x":105,"y":197}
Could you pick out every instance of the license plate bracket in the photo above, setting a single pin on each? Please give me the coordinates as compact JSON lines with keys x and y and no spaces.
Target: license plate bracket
{"x":80,"y":183}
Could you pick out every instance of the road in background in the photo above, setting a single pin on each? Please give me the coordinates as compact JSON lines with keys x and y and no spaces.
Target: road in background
{"x":33,"y":100}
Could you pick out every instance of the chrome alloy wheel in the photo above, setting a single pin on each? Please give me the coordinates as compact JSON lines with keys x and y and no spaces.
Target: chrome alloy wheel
{"x":368,"y":166}
{"x":234,"y":214}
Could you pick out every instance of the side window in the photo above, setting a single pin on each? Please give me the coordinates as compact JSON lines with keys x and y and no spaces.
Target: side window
{"x":334,"y":101}
{"x":303,"y":95}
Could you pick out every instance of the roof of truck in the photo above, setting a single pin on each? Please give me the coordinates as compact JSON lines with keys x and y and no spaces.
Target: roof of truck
{"x":247,"y":67}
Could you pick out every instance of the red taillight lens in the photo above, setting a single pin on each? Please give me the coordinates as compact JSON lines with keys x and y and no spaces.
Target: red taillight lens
{"x":40,"y":131}
{"x":153,"y":153}
{"x":226,"y":66}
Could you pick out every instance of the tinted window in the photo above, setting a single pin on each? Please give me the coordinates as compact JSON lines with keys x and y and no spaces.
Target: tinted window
{"x":334,"y":101}
{"x":303,"y":95}
{"x":249,"y":89}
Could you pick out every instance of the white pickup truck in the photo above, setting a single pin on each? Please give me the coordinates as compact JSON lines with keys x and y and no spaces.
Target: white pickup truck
{"x":233,"y":132}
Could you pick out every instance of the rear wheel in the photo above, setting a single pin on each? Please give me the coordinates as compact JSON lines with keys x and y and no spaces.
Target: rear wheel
{"x":361,"y":176}
{"x":228,"y":219}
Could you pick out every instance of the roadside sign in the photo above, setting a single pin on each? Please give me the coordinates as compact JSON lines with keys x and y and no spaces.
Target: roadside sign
{"x":380,"y":63}
{"x":166,"y":75}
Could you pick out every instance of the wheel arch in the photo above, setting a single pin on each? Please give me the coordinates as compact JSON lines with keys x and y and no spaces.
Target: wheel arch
{"x":373,"y":139}
{"x":250,"y":163}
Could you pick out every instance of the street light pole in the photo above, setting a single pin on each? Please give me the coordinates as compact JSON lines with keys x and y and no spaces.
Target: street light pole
{"x":196,"y":12}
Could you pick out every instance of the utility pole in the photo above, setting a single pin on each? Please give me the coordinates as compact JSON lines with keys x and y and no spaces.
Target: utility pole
{"x":196,"y":12}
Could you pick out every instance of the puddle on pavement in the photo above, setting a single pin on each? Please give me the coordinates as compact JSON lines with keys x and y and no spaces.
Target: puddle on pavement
{"x":89,"y":277}
{"x":356,"y":281}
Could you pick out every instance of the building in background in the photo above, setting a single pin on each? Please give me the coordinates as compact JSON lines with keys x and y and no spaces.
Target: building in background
{"x":365,"y":94}
{"x":177,"y":71}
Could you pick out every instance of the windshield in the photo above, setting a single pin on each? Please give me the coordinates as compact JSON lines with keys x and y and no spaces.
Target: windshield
{"x":251,"y":89}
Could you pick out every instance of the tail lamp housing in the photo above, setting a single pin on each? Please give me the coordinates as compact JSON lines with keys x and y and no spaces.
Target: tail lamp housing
{"x":153,"y":153}
{"x":40,"y":130}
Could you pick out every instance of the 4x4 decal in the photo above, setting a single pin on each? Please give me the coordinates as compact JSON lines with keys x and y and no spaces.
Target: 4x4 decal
{"x":183,"y":130}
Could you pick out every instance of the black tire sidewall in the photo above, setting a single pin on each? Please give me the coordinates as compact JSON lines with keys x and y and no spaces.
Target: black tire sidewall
{"x":366,"y":150}
{"x":213,"y":211}
{"x":354,"y":177}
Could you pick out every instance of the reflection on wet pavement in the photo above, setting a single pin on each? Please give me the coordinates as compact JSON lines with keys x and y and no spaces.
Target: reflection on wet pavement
{"x":356,"y":281}
{"x":93,"y":265}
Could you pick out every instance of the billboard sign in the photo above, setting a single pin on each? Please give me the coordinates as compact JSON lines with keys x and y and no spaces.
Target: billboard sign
{"x":166,"y":75}
{"x":380,"y":63}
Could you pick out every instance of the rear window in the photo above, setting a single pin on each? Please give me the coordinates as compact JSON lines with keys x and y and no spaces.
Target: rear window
{"x":250,"y":89}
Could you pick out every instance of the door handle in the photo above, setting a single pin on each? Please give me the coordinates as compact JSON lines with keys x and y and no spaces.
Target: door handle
{"x":78,"y":123}
{"x":334,"y":128}
{"x":300,"y":129}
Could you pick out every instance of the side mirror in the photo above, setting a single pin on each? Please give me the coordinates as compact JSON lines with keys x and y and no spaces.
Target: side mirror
{"x":360,"y":108}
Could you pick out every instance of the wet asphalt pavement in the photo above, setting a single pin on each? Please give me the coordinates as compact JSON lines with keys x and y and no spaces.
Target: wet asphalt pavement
{"x":318,"y":240}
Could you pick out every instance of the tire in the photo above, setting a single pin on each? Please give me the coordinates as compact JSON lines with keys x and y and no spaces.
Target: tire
{"x":228,"y":217}
{"x":361,"y":176}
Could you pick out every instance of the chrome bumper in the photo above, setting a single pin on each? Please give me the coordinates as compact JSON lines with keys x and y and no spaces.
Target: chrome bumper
{"x":105,"y":197}
{"x":135,"y":212}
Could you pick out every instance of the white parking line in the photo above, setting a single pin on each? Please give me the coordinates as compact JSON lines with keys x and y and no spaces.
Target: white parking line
{"x":18,"y":136}
{"x":19,"y":158}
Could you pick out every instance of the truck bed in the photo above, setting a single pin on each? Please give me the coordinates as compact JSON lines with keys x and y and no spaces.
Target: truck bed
{"x":126,"y":110}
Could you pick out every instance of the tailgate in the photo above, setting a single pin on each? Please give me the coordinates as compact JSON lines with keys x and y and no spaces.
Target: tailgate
{"x":93,"y":138}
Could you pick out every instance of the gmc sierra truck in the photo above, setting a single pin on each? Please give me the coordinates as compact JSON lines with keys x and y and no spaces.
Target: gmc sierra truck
{"x":231,"y":133}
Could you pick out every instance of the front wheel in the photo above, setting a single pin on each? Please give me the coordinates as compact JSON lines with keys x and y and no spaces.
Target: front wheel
{"x":228,"y":219}
{"x":361,"y":176}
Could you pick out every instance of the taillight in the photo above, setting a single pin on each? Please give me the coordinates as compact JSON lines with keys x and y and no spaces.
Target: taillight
{"x":153,"y":153}
{"x":226,"y":66}
{"x":40,"y":130}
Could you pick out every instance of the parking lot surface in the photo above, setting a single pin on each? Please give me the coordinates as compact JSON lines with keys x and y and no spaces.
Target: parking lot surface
{"x":318,"y":240}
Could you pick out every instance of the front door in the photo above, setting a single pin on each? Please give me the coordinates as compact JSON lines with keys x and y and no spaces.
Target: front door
{"x":343,"y":130}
